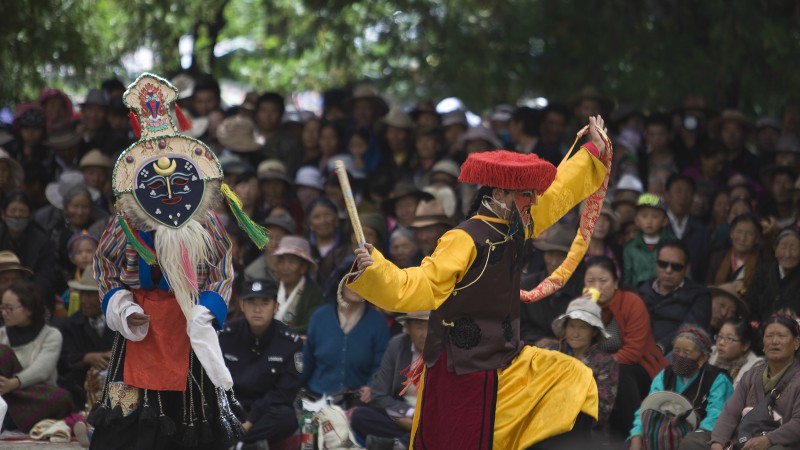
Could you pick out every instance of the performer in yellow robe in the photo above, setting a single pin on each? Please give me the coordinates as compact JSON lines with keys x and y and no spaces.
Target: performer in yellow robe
{"x":481,"y":386}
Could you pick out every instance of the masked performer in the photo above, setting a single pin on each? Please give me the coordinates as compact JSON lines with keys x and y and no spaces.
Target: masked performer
{"x":164,"y":271}
{"x":482,"y":388}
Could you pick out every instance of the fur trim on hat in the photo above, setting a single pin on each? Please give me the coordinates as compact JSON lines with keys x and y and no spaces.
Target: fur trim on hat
{"x":508,"y":170}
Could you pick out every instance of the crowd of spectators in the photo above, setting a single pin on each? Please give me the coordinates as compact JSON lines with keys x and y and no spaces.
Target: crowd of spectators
{"x":696,"y":251}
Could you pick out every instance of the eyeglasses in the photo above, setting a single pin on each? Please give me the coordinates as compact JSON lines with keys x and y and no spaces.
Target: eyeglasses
{"x":9,"y":308}
{"x":727,"y":339}
{"x":677,"y":267}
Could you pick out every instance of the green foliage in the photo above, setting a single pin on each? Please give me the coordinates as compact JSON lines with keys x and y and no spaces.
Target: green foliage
{"x":650,"y":53}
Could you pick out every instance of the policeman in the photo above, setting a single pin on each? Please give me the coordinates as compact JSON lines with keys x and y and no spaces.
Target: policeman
{"x":265,"y":358}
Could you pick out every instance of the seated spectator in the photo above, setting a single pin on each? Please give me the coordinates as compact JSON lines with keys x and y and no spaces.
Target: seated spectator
{"x":266,"y":265}
{"x":82,"y":247}
{"x":11,"y":271}
{"x":734,"y":352}
{"x":30,"y":350}
{"x":536,"y":318}
{"x":705,"y":386}
{"x":672,"y":298}
{"x":388,"y":416}
{"x":741,"y":260}
{"x":403,"y":201}
{"x":686,"y":227}
{"x":639,"y":254}
{"x":96,"y":168}
{"x":87,"y":340}
{"x":298,"y":295}
{"x":781,"y":372}
{"x":580,"y":330}
{"x":22,"y":236}
{"x":402,"y":247}
{"x":779,"y":204}
{"x":345,"y":345}
{"x":374,"y":227}
{"x":603,"y":241}
{"x":324,"y":234}
{"x":725,"y":304}
{"x":775,"y":285}
{"x":631,"y":343}
{"x":430,"y":223}
{"x":265,"y":359}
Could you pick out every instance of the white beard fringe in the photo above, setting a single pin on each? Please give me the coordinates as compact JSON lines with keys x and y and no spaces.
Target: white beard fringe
{"x":199,"y":246}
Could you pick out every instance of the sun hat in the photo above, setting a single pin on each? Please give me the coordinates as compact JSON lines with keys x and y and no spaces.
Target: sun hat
{"x":502,"y":113}
{"x":729,"y":290}
{"x":416,"y":315}
{"x":283,"y":221}
{"x":398,"y":119}
{"x":769,"y":122}
{"x":788,"y":143}
{"x":732,"y":116}
{"x":670,"y":403}
{"x":481,"y":133}
{"x":237,"y":133}
{"x":371,"y":93}
{"x":185,"y":85}
{"x":273,"y":169}
{"x":297,"y":246}
{"x":95,"y":158}
{"x":10,"y":261}
{"x":457,"y":117}
{"x":430,"y":212}
{"x":557,"y":238}
{"x":403,"y":189}
{"x":64,"y":134}
{"x":95,"y":97}
{"x":57,"y":190}
{"x":581,"y":309}
{"x":376,"y":222}
{"x":87,"y":281}
{"x":309,"y":176}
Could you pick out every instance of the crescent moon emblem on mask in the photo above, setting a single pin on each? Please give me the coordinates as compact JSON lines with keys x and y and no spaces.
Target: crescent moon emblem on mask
{"x":163,"y":166}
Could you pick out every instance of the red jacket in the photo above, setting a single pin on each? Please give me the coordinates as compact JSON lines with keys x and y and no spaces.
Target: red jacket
{"x":638,"y":343}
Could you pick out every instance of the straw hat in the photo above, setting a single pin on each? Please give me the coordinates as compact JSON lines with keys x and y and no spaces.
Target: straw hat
{"x":237,"y":133}
{"x":368,"y":92}
{"x":64,"y":134}
{"x":398,"y":119}
{"x":297,"y":246}
{"x":729,"y":290}
{"x":428,"y":213}
{"x":273,"y":169}
{"x":732,"y":116}
{"x":557,"y":238}
{"x":416,"y":315}
{"x":403,"y":189}
{"x":581,"y":309}
{"x":86,"y":283}
{"x":10,"y":261}
{"x":282,"y":221}
{"x":95,"y":158}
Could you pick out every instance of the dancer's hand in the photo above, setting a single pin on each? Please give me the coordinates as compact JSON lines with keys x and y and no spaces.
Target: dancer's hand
{"x":594,"y":135}
{"x":138,"y":319}
{"x":363,"y":258}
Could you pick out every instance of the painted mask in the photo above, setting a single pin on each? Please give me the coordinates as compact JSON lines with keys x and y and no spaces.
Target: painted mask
{"x":169,"y":189}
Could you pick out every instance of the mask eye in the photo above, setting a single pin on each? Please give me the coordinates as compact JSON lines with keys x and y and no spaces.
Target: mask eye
{"x":180,"y":181}
{"x":158,"y":184}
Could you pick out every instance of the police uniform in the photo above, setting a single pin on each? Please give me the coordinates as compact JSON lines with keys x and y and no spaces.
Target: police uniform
{"x":266,"y":375}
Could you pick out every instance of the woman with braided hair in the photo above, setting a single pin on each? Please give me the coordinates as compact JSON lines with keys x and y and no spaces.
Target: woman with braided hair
{"x":480,"y":386}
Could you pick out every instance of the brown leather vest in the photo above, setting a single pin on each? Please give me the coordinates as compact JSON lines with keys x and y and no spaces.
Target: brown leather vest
{"x":478,"y":325}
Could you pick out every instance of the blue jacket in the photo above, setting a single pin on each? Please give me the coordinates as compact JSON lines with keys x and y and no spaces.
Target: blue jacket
{"x":334,"y":361}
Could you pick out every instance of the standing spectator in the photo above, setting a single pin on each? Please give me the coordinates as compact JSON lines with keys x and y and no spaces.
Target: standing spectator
{"x":266,"y":361}
{"x":205,"y":96}
{"x":96,"y":168}
{"x":454,"y":125}
{"x":604,"y":242}
{"x":275,"y":143}
{"x":779,"y":181}
{"x":56,"y":105}
{"x":734,"y":128}
{"x":22,"y":236}
{"x":30,"y":124}
{"x":734,"y":350}
{"x":266,"y":265}
{"x":430,"y":223}
{"x":672,"y":298}
{"x":97,"y":133}
{"x":398,"y":136}
{"x":523,"y":131}
{"x":403,"y":201}
{"x":298,"y":295}
{"x":639,"y":255}
{"x":587,"y":103}
{"x":64,"y":138}
{"x":309,"y":139}
{"x":689,"y":229}
{"x":658,"y":154}
{"x":324,"y":233}
{"x":388,"y":416}
{"x":31,"y":349}
{"x":776,"y":285}
{"x":768,"y":132}
{"x":366,"y":106}
{"x":402,"y":247}
{"x":552,"y":131}
{"x":742,"y":259}
{"x":87,"y":339}
{"x":308,"y":185}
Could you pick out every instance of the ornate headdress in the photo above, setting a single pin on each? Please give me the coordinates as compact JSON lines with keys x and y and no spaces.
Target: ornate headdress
{"x":166,"y":182}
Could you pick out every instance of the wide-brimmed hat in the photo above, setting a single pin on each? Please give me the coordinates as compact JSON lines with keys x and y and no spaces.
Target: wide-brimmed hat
{"x":671,"y":403}
{"x":430,"y":212}
{"x":788,"y":143}
{"x":297,"y":246}
{"x":237,"y":133}
{"x":416,"y":315}
{"x":96,"y":97}
{"x":508,"y":170}
{"x":10,"y":261}
{"x":56,"y":190}
{"x":581,"y":309}
{"x":732,"y":116}
{"x":403,"y":189}
{"x":446,"y":196}
{"x":398,"y":119}
{"x":234,"y":165}
{"x":260,"y":288}
{"x":64,"y":134}
{"x":769,"y":171}
{"x":371,"y":93}
{"x":283,"y":221}
{"x":185,"y":85}
{"x":199,"y":125}
{"x":377,"y":222}
{"x":557,"y":238}
{"x":481,"y":133}
{"x":729,"y":290}
{"x":502,"y":113}
{"x":456,"y":117}
{"x":607,"y":104}
{"x":447,"y":166}
{"x":95,"y":158}
{"x":608,"y":211}
{"x":273,"y":169}
{"x":87,"y":282}
{"x":769,"y":122}
{"x":249,"y":102}
{"x":309,"y":176}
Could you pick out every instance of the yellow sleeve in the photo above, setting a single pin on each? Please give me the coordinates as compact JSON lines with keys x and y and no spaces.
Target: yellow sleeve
{"x":576,"y":179}
{"x":418,"y":288}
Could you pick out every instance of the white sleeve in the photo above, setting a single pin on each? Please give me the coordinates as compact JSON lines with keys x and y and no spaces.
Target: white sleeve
{"x":205,"y":344}
{"x":120,"y":306}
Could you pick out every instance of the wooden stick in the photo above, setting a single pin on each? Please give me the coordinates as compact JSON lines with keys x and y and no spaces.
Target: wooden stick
{"x":350,"y":202}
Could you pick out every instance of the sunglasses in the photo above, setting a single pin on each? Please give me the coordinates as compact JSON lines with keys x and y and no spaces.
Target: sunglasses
{"x":677,"y":267}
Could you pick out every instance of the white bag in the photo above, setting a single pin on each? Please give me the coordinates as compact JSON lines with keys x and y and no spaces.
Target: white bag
{"x":333,"y":429}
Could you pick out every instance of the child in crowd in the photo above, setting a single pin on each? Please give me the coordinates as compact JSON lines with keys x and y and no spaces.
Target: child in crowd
{"x":82,"y":247}
{"x":639,"y":255}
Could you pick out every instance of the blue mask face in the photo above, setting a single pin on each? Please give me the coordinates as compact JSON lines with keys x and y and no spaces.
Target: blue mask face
{"x":169,"y":189}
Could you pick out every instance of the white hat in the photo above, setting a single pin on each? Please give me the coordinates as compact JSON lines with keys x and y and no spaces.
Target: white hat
{"x":671,"y":403}
{"x":630,"y":183}
{"x":581,"y":309}
{"x":309,"y":176}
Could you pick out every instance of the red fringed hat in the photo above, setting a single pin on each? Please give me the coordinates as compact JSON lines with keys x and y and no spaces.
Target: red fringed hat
{"x":508,"y":170}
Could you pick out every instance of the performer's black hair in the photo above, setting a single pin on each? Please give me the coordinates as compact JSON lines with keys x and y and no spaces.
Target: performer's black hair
{"x":477,"y":199}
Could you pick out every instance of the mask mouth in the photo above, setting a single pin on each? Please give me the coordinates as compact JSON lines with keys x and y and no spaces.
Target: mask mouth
{"x":172,"y":201}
